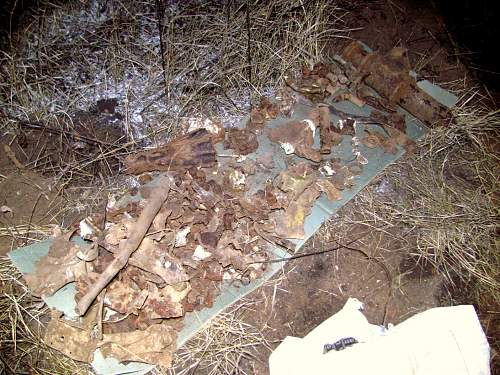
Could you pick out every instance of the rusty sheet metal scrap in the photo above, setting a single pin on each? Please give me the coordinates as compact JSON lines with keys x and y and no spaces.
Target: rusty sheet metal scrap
{"x":389,"y":76}
{"x":297,"y":137}
{"x":194,"y":149}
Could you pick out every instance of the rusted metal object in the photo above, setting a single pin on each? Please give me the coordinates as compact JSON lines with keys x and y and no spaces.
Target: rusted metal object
{"x":194,"y":149}
{"x":296,"y":137}
{"x":389,"y":76}
{"x":242,"y":141}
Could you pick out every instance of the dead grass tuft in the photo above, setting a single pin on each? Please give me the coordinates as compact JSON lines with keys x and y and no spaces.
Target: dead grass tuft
{"x":223,"y":346}
{"x":21,"y":329}
{"x":451,"y":200}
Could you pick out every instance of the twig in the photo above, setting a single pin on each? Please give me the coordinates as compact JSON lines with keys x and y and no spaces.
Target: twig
{"x":160,"y":11}
{"x":33,"y":213}
{"x":249,"y":51}
{"x":10,"y":154}
{"x":158,"y":196}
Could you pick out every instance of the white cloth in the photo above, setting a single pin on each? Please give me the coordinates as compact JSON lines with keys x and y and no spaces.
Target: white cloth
{"x":439,"y":341}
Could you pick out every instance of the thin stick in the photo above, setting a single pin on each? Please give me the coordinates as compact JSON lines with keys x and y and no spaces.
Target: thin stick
{"x":249,"y":51}
{"x":158,"y":196}
{"x":160,"y":11}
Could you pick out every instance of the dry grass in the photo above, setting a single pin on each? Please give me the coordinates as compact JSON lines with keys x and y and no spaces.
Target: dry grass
{"x":223,"y":347}
{"x":212,"y":60}
{"x":69,"y":56}
{"x":442,"y":205}
{"x":451,"y":207}
{"x":21,"y":327}
{"x":451,"y":201}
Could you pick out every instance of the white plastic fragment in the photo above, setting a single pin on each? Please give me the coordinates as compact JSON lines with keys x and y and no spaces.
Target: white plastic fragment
{"x":111,"y":202}
{"x":237,"y":178}
{"x":181,"y":237}
{"x":360,"y":158}
{"x":86,"y":231}
{"x":311,"y":124}
{"x":287,"y":147}
{"x":327,"y":170}
{"x":198,"y":123}
{"x":5,"y":210}
{"x":200,"y":253}
{"x":108,"y":313}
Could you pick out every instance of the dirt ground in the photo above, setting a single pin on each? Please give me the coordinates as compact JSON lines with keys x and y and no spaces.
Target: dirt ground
{"x":28,"y":201}
{"x":379,"y":267}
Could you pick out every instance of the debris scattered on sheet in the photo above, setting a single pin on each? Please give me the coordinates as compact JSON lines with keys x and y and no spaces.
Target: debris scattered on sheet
{"x":217,"y":218}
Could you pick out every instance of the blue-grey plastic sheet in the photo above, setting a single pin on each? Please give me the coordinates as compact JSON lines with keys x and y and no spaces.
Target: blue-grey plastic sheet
{"x":63,"y":300}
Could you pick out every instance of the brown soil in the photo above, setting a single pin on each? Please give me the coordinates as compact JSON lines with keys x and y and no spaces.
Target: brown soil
{"x":31,"y":200}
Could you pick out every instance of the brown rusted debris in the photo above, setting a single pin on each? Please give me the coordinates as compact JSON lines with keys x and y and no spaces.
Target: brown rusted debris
{"x":329,"y":135}
{"x":192,"y":150}
{"x":211,"y":225}
{"x":324,"y":80}
{"x":242,"y":141}
{"x":265,"y":111}
{"x":389,"y":76}
{"x":296,"y":137}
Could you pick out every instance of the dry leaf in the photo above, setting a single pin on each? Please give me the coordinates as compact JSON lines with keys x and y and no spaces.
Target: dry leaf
{"x":329,"y":189}
{"x":122,"y":297}
{"x":242,"y":141}
{"x":295,"y":180}
{"x":75,"y":342}
{"x":166,"y":302}
{"x":192,"y":150}
{"x":150,"y":257}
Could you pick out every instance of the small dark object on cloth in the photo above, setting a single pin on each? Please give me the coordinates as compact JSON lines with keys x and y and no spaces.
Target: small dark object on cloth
{"x":340,"y":345}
